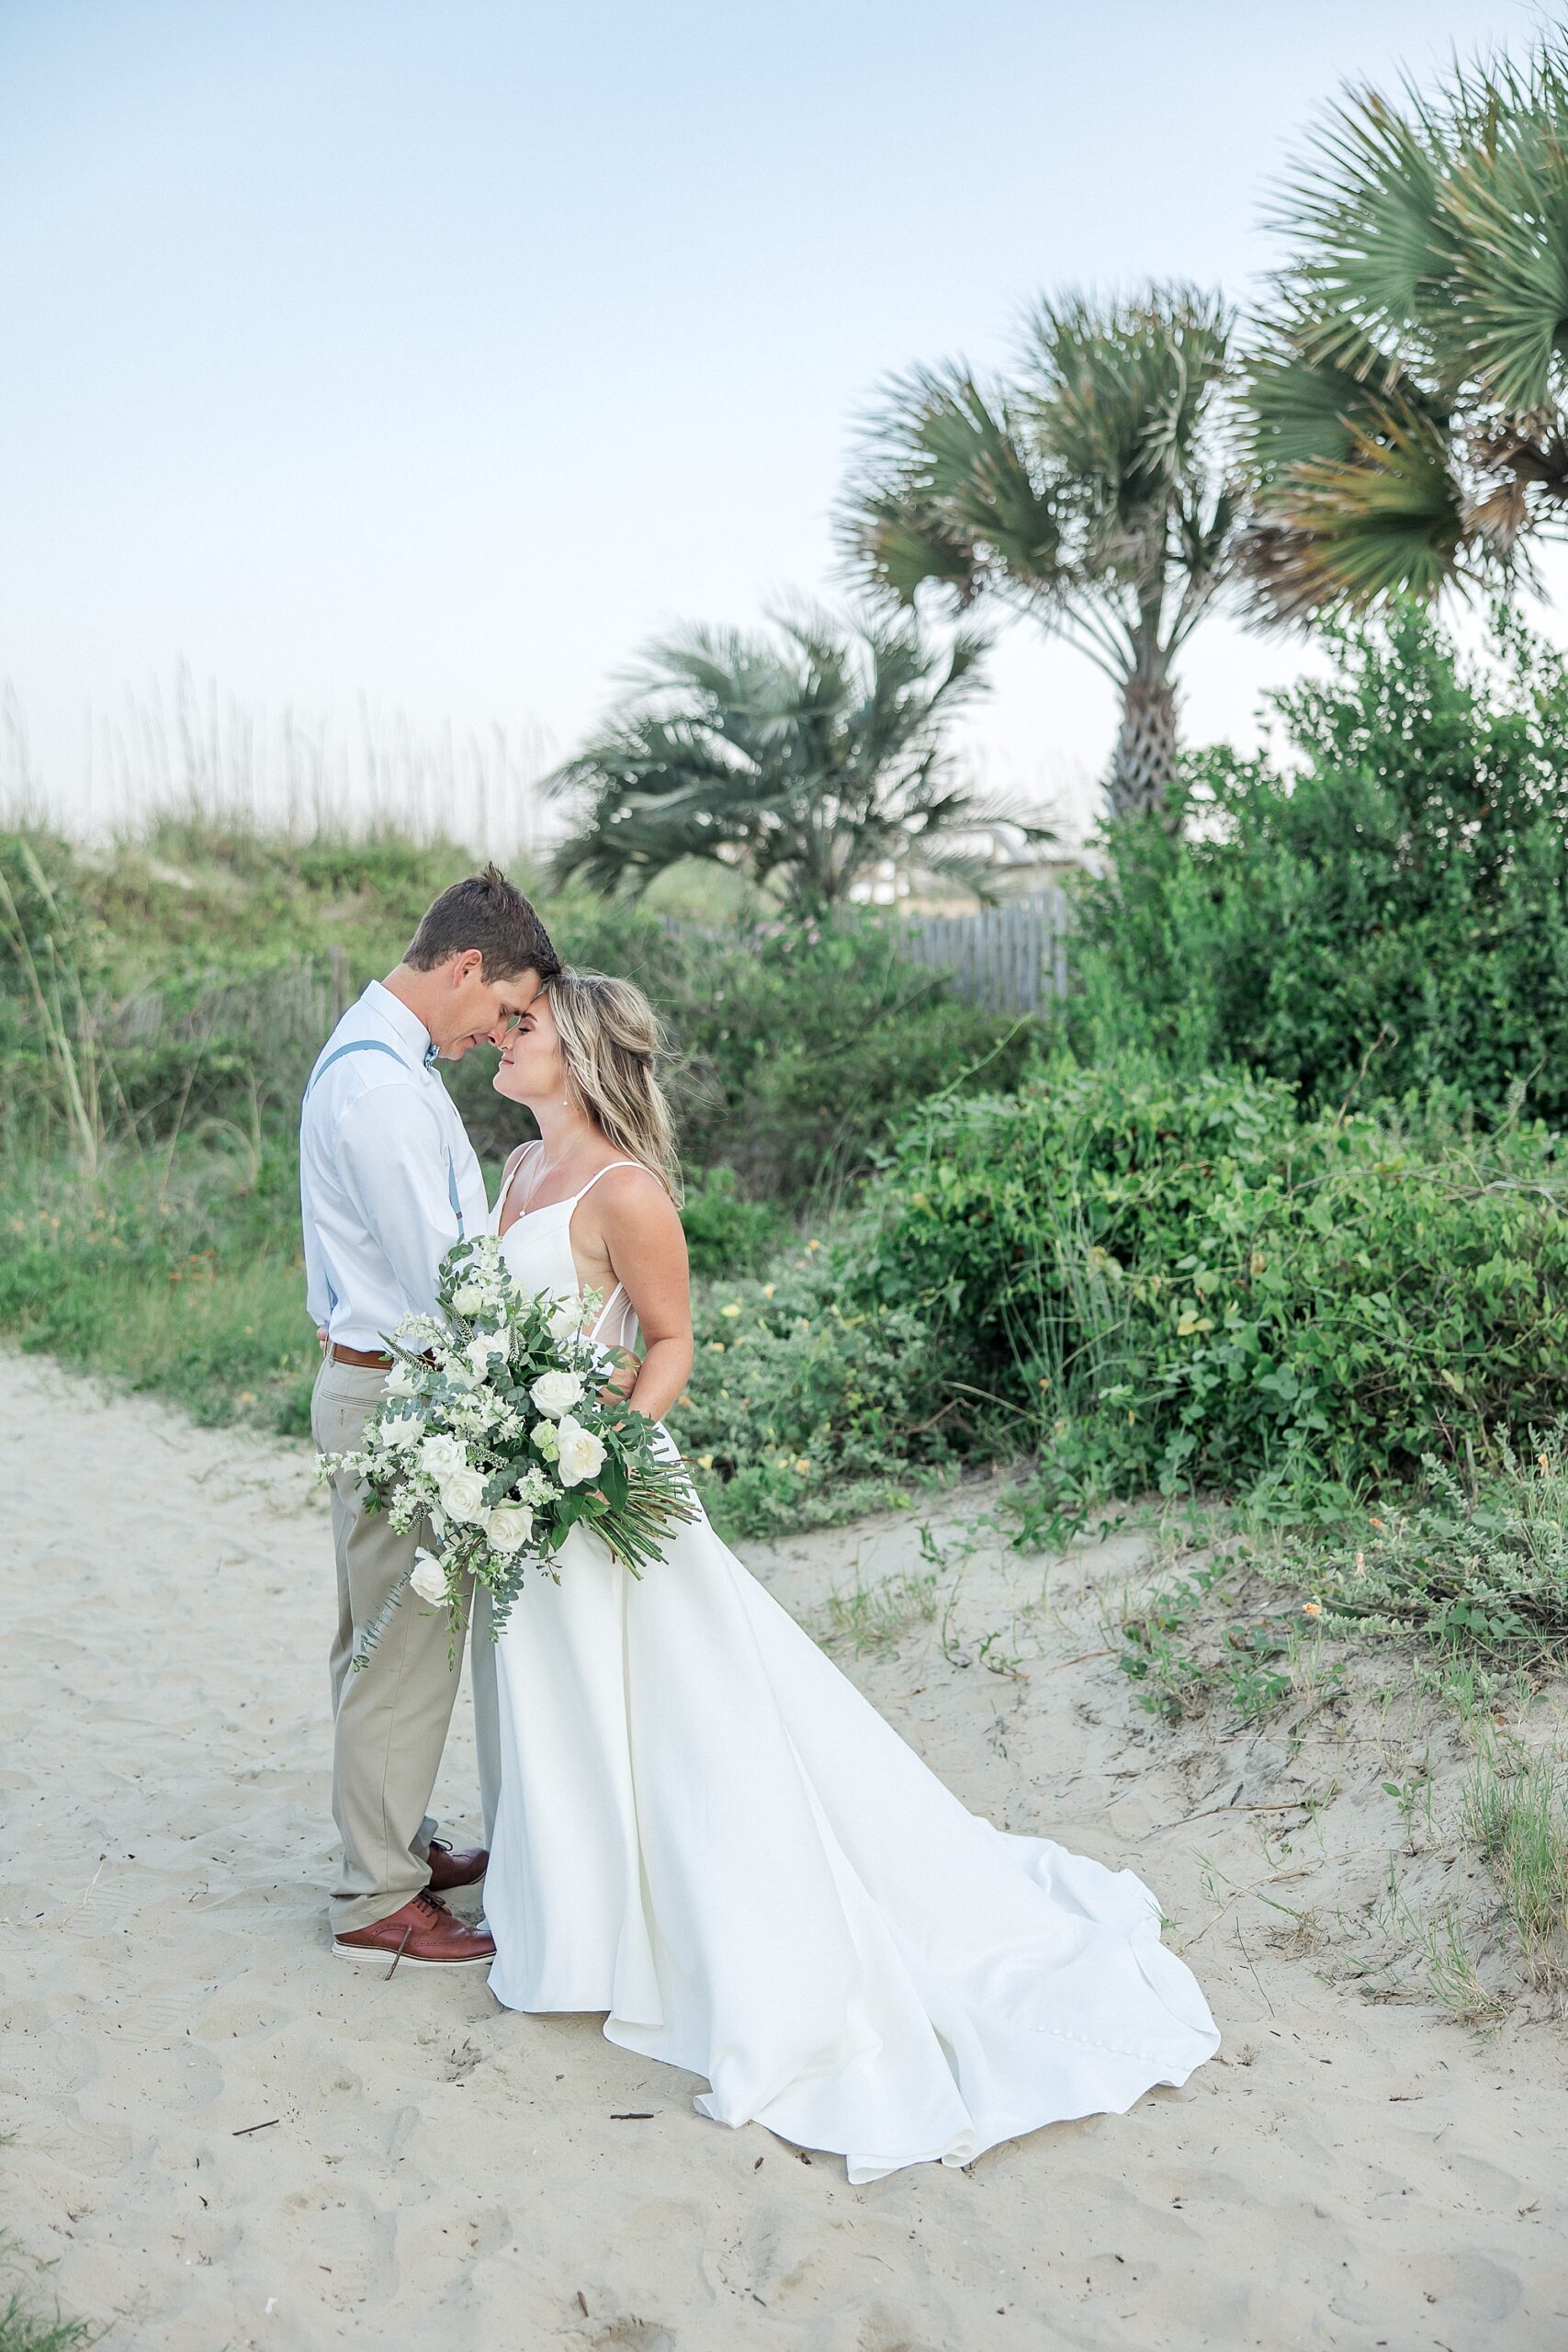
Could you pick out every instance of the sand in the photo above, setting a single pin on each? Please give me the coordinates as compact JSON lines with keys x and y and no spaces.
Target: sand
{"x":431,"y":2170}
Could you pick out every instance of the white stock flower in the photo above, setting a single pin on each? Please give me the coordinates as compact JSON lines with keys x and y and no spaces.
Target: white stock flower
{"x":556,"y":1393}
{"x":463,"y":1497}
{"x":581,"y":1454}
{"x":429,"y":1578}
{"x":509,"y":1526}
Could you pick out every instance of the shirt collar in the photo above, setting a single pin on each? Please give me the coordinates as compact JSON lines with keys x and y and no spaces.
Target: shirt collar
{"x":406,"y":1026}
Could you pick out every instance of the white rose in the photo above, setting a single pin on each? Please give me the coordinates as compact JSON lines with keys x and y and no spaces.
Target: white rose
{"x":509,"y":1526}
{"x":401,"y":1381}
{"x":566,"y":1317}
{"x":556,"y":1393}
{"x":442,"y":1457}
{"x":581,"y":1454}
{"x":429,"y":1578}
{"x":463,"y":1497}
{"x":402,"y":1432}
{"x":468,"y":1298}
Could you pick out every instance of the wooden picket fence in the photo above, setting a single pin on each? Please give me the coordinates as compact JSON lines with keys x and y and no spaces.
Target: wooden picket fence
{"x":1012,"y":957}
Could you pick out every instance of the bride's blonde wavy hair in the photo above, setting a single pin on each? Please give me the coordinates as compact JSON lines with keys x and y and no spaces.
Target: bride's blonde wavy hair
{"x":611,"y":1044}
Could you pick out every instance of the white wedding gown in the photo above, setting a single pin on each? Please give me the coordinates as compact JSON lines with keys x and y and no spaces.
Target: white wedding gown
{"x":707,"y":1833}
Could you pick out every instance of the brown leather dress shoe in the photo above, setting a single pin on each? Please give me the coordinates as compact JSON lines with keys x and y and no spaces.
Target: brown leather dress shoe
{"x":423,"y":1934}
{"x":448,"y":1870}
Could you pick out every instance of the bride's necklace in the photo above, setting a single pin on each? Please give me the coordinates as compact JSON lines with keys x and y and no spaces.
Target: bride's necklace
{"x":545,"y":1170}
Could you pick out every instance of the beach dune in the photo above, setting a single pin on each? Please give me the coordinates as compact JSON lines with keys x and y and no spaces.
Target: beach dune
{"x":218,"y":2136}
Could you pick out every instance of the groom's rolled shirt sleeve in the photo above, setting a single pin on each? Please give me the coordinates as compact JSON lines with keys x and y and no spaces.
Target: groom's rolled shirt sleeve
{"x":393,"y":1163}
{"x":318,"y":1293}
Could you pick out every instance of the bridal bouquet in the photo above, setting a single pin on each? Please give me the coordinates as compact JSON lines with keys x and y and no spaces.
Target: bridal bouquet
{"x":493,"y":1430}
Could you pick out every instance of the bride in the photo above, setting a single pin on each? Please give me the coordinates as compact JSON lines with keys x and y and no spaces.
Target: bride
{"x":704,"y":1831}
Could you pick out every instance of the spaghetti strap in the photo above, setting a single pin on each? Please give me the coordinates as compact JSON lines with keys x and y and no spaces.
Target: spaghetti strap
{"x":607,"y":1170}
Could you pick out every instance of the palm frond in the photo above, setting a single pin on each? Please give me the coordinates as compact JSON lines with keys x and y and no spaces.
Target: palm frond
{"x":806,"y":756}
{"x":1508,"y":201}
{"x":1385,"y":520}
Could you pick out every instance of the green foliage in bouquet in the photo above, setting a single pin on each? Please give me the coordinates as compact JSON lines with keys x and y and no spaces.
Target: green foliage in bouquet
{"x":496,"y":1432}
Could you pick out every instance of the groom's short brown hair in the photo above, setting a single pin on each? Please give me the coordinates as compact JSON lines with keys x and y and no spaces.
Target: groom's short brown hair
{"x":487,"y":911}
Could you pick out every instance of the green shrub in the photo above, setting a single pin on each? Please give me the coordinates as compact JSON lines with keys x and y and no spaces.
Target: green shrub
{"x":800,"y":1410}
{"x":1385,"y":907}
{"x":1171,"y":1282}
{"x":725,"y":1233}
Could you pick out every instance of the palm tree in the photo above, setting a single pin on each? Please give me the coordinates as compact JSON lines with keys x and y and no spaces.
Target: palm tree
{"x":1092,"y":492}
{"x":804,"y":759}
{"x":1406,"y":392}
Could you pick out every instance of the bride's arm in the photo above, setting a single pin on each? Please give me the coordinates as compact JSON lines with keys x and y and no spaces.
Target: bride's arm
{"x":646,"y":1249}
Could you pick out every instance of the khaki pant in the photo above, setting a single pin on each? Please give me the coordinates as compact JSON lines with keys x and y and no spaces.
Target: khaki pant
{"x":389,"y":1718}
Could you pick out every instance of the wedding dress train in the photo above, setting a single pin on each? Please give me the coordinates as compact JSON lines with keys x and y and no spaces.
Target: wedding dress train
{"x":707,"y":1833}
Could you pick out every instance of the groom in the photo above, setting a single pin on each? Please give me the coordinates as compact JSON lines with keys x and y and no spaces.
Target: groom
{"x":388,"y":1182}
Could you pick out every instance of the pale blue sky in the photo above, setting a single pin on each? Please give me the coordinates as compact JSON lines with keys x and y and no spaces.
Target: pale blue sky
{"x":442,"y":354}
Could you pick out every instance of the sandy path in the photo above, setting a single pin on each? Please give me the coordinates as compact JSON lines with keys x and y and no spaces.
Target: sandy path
{"x":444,"y":2174}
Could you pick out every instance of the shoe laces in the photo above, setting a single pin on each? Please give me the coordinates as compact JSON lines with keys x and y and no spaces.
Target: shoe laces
{"x":428,"y":1902}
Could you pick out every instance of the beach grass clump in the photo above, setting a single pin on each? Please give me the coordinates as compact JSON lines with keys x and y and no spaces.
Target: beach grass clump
{"x":1474,"y":1560}
{"x":1516,"y":1810}
{"x":179,"y":1275}
{"x":876,"y":1616}
{"x":24,"y":2327}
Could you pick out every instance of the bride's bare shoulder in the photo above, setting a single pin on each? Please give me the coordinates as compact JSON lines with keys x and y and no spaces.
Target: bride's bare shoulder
{"x":631,"y":1200}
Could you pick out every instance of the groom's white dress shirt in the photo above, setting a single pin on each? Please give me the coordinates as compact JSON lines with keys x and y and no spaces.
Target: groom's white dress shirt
{"x":387,"y":1177}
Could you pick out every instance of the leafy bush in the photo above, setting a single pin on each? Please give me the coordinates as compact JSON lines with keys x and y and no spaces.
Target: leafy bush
{"x":1386,"y":908}
{"x":801,"y":1411}
{"x":725,"y":1233}
{"x":1170,"y":1282}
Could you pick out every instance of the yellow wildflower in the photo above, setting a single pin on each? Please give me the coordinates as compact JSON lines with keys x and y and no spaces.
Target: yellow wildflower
{"x":1311,"y":1608}
{"x":813,"y":1245}
{"x":731,"y":1311}
{"x":715,"y":1347}
{"x":768,"y":1289}
{"x":705,"y":1461}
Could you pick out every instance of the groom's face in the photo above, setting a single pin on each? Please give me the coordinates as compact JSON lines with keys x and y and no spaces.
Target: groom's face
{"x":473,"y":1010}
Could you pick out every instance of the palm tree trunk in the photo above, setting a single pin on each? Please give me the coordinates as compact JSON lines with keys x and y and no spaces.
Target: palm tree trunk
{"x":1142,"y":766}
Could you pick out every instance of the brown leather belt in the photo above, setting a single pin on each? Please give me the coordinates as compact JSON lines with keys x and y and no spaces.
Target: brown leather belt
{"x":360,"y":1358}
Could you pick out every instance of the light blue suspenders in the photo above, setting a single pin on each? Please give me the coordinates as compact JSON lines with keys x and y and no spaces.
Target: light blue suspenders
{"x":375,"y":1046}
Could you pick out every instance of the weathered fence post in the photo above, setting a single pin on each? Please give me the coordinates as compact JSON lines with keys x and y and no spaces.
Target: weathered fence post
{"x":337,"y":985}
